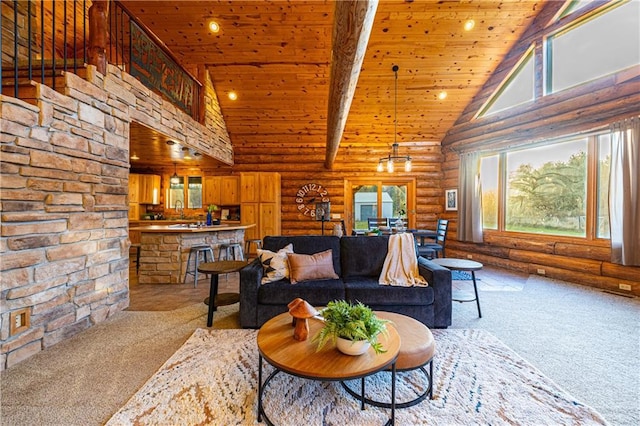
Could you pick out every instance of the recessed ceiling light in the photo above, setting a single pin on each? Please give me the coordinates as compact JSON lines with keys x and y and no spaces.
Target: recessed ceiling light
{"x":233,"y":95}
{"x":442,"y":95}
{"x":214,"y":27}
{"x":135,"y":157}
{"x":468,"y":26}
{"x":171,"y":143}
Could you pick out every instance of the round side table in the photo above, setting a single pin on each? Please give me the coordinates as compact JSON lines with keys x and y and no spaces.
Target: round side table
{"x":462,"y":265}
{"x":215,"y":269}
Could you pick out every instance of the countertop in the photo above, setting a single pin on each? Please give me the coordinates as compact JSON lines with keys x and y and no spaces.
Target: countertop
{"x":183,"y":228}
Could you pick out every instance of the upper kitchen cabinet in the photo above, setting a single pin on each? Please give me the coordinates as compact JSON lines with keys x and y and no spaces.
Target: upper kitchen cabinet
{"x":212,"y":190}
{"x":222,"y":190}
{"x":249,"y":187}
{"x":230,"y":192}
{"x":149,"y":189}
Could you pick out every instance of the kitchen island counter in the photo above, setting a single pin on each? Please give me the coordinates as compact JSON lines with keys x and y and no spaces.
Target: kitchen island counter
{"x":164,"y":249}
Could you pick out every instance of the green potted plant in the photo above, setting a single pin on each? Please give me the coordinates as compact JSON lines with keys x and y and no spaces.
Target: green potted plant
{"x":352,"y":327}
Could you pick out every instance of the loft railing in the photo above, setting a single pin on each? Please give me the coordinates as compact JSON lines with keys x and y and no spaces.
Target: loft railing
{"x":40,"y":39}
{"x":147,"y":58}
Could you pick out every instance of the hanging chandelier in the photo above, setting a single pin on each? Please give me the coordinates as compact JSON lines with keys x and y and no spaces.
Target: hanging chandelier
{"x":394,"y":156}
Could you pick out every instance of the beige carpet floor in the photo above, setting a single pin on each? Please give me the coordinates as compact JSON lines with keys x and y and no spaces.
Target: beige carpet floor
{"x":211,"y":380}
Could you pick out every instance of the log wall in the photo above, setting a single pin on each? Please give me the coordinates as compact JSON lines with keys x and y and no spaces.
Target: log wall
{"x":298,"y":167}
{"x":580,"y":109}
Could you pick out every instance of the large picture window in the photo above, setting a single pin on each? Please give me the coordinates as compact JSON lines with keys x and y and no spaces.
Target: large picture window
{"x":548,"y":189}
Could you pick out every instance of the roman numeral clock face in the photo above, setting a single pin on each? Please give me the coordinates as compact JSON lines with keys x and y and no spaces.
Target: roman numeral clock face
{"x":308,"y":196}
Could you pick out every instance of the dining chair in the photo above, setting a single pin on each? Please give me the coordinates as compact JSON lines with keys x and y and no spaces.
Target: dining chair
{"x":431,"y":250}
{"x":377,"y":222}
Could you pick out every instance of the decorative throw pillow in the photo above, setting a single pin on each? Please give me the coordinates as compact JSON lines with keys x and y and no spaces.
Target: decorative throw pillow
{"x":304,"y":267}
{"x":275,"y":265}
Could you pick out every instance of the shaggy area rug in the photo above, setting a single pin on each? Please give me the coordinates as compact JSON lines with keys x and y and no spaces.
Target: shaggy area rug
{"x":212,"y":379}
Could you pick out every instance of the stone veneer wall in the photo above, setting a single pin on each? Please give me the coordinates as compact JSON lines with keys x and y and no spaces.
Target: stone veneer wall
{"x":64,"y":180}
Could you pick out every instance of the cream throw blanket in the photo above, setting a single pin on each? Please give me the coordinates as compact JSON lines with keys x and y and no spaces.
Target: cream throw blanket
{"x":401,"y":264}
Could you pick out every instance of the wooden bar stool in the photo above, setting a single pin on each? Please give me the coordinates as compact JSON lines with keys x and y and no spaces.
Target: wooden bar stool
{"x":194,"y":253}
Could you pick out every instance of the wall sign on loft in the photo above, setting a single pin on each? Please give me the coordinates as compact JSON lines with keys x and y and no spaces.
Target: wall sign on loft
{"x":308,"y":196}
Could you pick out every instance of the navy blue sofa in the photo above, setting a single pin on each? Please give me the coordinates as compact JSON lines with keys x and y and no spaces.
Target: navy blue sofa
{"x":358,"y":262}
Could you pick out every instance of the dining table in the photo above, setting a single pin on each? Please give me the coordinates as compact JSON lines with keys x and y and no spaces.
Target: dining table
{"x":423,"y":234}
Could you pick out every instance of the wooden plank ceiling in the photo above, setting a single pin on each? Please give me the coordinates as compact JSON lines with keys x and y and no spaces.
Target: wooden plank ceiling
{"x":276,"y":55}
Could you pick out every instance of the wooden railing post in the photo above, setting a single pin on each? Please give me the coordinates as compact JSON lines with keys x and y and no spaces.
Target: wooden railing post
{"x":99,"y":34}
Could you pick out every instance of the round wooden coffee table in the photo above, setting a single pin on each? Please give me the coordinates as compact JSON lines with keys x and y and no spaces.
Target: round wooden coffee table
{"x":278,"y":347}
{"x":215,"y":269}
{"x":463,"y":265}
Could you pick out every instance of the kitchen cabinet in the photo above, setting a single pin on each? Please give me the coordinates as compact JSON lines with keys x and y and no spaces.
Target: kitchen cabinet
{"x":134,"y":188}
{"x":212,"y":189}
{"x":222,"y":190}
{"x":263,"y":189}
{"x":134,"y":197}
{"x":230,"y":191}
{"x":249,"y":187}
{"x":149,"y":189}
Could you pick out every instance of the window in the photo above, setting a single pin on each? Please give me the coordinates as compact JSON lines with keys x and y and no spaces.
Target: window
{"x":176,"y":194}
{"x":518,"y":89}
{"x":594,"y":48}
{"x":604,"y":163}
{"x":388,"y":198}
{"x":601,"y":38}
{"x":547,"y":189}
{"x":547,"y":196}
{"x":195,"y":192}
{"x":489,"y":180}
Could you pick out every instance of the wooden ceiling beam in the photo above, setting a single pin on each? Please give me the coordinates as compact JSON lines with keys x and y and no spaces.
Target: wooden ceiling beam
{"x":352,"y":25}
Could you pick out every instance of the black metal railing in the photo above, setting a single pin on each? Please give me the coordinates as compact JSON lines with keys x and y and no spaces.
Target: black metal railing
{"x":52,"y":36}
{"x":39,"y":54}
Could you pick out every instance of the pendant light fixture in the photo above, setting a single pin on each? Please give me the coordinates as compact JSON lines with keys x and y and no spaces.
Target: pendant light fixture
{"x":175,"y":179}
{"x":394,"y":155}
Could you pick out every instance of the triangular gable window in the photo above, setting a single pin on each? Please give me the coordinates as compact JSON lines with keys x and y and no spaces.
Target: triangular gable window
{"x":573,"y":5}
{"x":517,"y":89}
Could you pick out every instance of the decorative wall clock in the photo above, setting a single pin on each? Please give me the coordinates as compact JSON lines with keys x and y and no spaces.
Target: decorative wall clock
{"x":307,"y":197}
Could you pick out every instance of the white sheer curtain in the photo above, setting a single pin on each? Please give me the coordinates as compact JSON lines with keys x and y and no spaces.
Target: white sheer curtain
{"x":470,"y":199}
{"x":624,"y":192}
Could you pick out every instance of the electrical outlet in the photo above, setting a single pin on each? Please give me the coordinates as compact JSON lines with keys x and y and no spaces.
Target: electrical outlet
{"x":626,"y":287}
{"x":541,"y":271}
{"x":469,"y":256}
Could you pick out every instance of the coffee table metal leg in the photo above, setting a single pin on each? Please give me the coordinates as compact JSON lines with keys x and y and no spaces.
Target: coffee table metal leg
{"x":362,"y":399}
{"x":393,"y":393}
{"x":213,"y":290}
{"x":475,"y":289}
{"x":259,"y":388}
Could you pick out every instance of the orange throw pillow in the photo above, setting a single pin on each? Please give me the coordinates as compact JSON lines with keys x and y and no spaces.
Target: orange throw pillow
{"x":304,"y":267}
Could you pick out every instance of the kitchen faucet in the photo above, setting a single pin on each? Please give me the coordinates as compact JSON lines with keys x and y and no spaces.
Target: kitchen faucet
{"x":181,"y":209}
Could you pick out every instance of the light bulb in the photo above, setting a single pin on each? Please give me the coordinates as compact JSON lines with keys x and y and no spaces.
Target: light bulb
{"x":380,"y":166}
{"x":390,"y":166}
{"x":407,"y":165}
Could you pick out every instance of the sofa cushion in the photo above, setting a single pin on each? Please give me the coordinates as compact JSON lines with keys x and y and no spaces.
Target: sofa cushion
{"x":275,"y":264}
{"x":305,"y":267}
{"x":317,"y":293}
{"x":307,"y":244}
{"x":368,"y":291}
{"x":363,"y":256}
